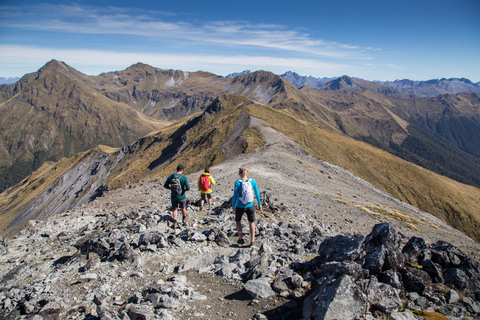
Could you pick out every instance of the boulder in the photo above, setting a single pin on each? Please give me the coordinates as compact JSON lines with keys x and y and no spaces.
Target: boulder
{"x":259,"y":288}
{"x":382,"y":249}
{"x":196,"y":262}
{"x":339,"y":248}
{"x":340,"y":298}
{"x":383,"y":297}
{"x":413,"y":250}
{"x":222,"y":239}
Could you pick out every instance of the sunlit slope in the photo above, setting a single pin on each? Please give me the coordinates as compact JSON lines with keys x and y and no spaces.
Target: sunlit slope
{"x":451,"y":201}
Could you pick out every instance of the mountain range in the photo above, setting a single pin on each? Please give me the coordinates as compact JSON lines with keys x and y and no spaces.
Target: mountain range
{"x":152,"y":119}
{"x":413,"y":88}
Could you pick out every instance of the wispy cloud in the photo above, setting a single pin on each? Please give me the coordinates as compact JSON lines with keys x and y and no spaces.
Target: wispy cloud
{"x":222,"y":64}
{"x":169,"y":26}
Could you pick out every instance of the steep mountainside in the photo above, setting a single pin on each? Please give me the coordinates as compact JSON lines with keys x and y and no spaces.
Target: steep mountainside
{"x":161,"y":94}
{"x":232,"y":125}
{"x":440,"y":134}
{"x":53,"y":113}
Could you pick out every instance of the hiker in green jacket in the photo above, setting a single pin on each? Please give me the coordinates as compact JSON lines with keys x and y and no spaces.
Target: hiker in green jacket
{"x":205,"y":183}
{"x":177,"y":183}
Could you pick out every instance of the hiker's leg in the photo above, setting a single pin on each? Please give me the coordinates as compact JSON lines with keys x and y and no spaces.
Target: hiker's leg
{"x":251,"y":222}
{"x":238,"y":221}
{"x":239,"y":229}
{"x":174,"y":209}
{"x":184,"y":212}
{"x":252,"y":231}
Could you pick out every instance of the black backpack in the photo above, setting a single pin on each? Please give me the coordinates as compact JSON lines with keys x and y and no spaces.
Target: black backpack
{"x":175,"y":185}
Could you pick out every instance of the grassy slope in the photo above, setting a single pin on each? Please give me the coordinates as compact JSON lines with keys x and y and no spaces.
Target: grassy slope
{"x":451,"y":201}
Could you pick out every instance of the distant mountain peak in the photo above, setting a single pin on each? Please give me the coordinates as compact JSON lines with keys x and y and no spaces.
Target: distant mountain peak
{"x":300,"y":81}
{"x":236,"y":74}
{"x":343,"y":82}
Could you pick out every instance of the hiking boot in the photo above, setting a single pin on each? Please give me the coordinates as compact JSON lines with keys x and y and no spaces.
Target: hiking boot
{"x":185,"y":219}
{"x":241,"y":241}
{"x":201,"y":208}
{"x":174,"y":225}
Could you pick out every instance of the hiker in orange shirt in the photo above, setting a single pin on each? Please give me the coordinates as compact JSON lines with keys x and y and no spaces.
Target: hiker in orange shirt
{"x":205,"y":183}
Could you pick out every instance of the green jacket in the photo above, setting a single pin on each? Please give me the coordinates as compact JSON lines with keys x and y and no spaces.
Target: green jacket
{"x":183,"y":183}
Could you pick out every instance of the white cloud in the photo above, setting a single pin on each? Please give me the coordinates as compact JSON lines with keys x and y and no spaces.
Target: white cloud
{"x":123,"y":21}
{"x":103,"y":61}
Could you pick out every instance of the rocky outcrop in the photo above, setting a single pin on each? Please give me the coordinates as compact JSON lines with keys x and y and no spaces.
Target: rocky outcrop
{"x":354,"y":277}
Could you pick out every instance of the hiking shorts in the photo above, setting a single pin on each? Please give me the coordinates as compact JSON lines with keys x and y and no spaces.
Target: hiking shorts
{"x":250,"y":211}
{"x":179,"y":204}
{"x":204,"y":196}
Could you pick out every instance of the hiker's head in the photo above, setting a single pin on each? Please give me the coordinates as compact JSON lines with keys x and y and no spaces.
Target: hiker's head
{"x":207,"y":169}
{"x":243,"y":172}
{"x":180,"y":168}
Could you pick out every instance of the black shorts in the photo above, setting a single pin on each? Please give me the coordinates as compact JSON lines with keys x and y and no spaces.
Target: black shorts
{"x":179,"y":204}
{"x":250,"y":213}
{"x":204,"y":196}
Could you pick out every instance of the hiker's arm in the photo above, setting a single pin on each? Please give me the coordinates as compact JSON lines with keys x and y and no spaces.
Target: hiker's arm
{"x":235,"y":194}
{"x":257,"y":194}
{"x":187,"y":186}
{"x":212,"y":181}
{"x":167,"y":184}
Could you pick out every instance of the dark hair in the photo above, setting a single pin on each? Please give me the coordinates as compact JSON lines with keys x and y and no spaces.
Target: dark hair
{"x":180,"y":167}
{"x":207,"y":169}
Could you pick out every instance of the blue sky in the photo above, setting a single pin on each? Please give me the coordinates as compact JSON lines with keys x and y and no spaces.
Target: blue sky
{"x":373,"y":40}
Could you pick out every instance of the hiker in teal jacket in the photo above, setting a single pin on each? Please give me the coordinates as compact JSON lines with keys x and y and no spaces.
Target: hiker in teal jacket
{"x":178,"y":198}
{"x":242,"y":202}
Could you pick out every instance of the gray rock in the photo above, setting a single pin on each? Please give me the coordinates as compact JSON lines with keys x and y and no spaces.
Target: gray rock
{"x":452,"y":296}
{"x":197,"y":262}
{"x":222,"y":239}
{"x":221,"y":259}
{"x":126,"y":253}
{"x":472,"y":306}
{"x":413,"y":250}
{"x":434,"y":270}
{"x":141,"y":313}
{"x":281,"y":283}
{"x":105,"y":314}
{"x":456,"y":278}
{"x":339,"y":248}
{"x":405,"y":315}
{"x":337,"y":299}
{"x":198,"y":237}
{"x":383,"y":297}
{"x":259,"y":288}
{"x":170,"y":303}
{"x":162,"y":242}
{"x":382,"y":248}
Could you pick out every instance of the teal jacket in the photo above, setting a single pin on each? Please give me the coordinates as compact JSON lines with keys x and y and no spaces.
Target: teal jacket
{"x":237,"y":192}
{"x":183,"y":183}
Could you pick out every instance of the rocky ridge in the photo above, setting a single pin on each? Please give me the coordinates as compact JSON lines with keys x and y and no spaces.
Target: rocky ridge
{"x":117,"y":258}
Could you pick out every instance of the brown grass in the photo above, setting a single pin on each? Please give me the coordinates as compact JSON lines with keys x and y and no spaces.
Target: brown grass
{"x":451,"y":201}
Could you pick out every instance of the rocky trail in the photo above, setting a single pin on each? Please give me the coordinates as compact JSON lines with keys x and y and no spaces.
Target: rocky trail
{"x":329,"y":246}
